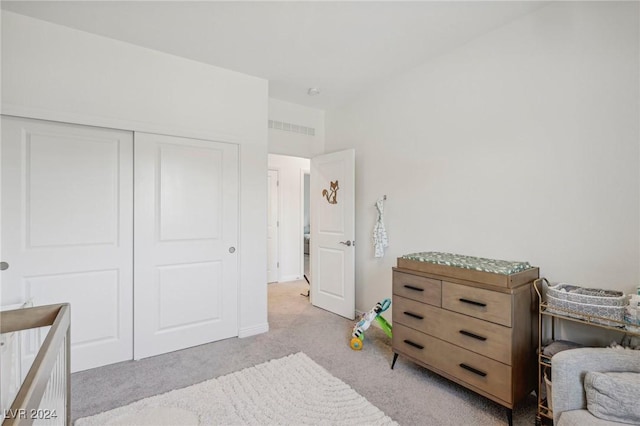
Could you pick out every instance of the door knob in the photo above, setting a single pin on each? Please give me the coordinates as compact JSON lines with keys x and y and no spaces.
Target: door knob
{"x":346,"y":243}
{"x":232,"y":249}
{"x":4,"y":266}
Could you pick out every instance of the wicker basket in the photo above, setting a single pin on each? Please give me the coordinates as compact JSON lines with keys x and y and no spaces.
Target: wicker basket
{"x":589,"y":296}
{"x":549,"y":389}
{"x":598,"y":305}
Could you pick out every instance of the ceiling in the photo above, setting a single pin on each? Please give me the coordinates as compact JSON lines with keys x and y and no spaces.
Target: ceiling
{"x":342,"y":48}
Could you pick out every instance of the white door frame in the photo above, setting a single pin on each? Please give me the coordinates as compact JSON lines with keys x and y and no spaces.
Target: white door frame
{"x":303,"y":173}
{"x":278,"y":211}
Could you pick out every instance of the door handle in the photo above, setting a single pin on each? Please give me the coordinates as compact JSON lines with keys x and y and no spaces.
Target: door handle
{"x":4,"y":266}
{"x":346,"y":243}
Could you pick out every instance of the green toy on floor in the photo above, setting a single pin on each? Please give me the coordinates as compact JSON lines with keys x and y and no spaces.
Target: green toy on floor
{"x":357,"y":336}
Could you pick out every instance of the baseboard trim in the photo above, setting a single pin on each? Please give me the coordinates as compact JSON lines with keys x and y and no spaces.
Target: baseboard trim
{"x":253,"y":330}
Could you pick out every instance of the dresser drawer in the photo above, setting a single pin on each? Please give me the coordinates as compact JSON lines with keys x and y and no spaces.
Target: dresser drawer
{"x":482,"y":337}
{"x":476,"y":370}
{"x":413,"y":343}
{"x":486,"y":374}
{"x":418,"y":288}
{"x":477,"y":302}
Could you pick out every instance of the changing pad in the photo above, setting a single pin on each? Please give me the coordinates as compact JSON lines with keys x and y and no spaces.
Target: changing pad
{"x":503,"y":267}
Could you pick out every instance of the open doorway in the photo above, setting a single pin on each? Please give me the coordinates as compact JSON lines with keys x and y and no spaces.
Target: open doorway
{"x":332,"y":229}
{"x":289,"y":196}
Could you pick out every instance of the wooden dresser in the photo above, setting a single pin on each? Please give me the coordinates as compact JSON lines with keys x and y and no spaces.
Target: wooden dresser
{"x":474,"y":328}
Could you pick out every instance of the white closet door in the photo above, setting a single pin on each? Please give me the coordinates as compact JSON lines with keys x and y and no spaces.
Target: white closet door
{"x":67,"y":230}
{"x":186,"y":221}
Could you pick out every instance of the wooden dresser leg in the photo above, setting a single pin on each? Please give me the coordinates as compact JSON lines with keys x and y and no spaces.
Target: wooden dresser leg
{"x":395,"y":358}
{"x":510,"y":416}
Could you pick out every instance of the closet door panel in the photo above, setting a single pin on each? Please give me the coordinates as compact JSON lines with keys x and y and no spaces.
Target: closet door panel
{"x":67,"y":230}
{"x":190,"y":184}
{"x":186,"y":219}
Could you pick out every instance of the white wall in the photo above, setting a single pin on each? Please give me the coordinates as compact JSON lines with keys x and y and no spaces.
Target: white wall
{"x":520,"y":145}
{"x":290,"y":174}
{"x":57,"y":73}
{"x":293,"y":143}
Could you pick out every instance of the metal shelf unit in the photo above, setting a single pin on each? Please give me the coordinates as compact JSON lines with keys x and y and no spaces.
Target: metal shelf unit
{"x":544,"y":414}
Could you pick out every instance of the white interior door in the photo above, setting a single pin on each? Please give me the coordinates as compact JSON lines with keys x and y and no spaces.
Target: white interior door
{"x":67,"y":230}
{"x":332,"y":251}
{"x":273,"y":226}
{"x":186,"y":222}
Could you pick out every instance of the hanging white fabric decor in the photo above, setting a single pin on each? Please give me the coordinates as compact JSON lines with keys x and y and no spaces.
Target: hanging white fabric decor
{"x":380,"y":239}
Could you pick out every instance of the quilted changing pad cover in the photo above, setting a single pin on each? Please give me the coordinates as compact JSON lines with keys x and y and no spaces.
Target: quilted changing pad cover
{"x":504,"y":267}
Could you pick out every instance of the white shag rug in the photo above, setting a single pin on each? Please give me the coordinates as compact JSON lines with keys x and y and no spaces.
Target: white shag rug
{"x":292,"y":390}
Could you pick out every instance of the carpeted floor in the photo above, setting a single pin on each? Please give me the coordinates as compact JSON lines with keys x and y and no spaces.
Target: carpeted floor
{"x":408,"y":394}
{"x":285,"y":391}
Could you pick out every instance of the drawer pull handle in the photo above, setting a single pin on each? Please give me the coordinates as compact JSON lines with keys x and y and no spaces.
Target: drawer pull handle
{"x":470,"y":334}
{"x":415,"y":345}
{"x":472,"y":302}
{"x":473,"y":370}
{"x":411,"y":314}
{"x":410,"y":287}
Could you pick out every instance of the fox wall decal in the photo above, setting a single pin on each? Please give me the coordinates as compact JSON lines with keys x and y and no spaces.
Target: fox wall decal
{"x":332,"y":194}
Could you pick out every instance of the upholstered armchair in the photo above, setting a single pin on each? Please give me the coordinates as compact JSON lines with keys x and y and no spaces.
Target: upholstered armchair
{"x":609,"y":398}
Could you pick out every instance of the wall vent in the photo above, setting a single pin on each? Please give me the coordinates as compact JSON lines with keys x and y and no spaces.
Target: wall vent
{"x":288,"y":127}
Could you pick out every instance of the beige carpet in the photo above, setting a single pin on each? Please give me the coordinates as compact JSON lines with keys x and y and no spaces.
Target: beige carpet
{"x":289,"y":390}
{"x":409,"y":394}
